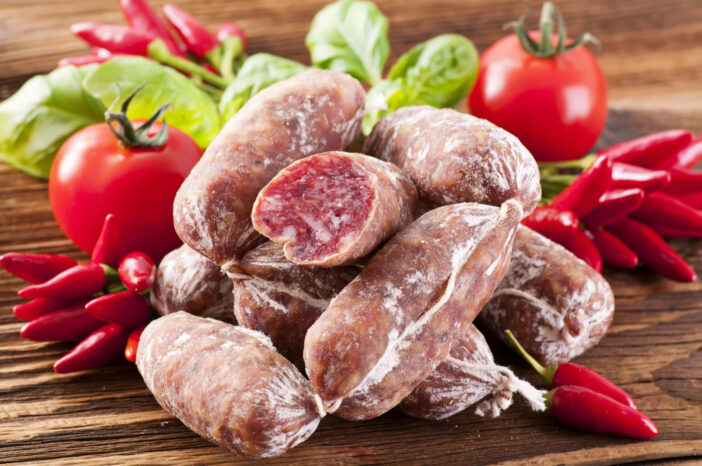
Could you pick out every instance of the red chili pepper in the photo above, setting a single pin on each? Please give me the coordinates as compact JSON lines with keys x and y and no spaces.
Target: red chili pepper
{"x":626,"y":176}
{"x":100,"y":348}
{"x":78,"y":281}
{"x":588,"y":410}
{"x":652,"y":250}
{"x":694,"y":200}
{"x":670,"y":232}
{"x":137,"y":272}
{"x":195,"y":35}
{"x":583,"y":247}
{"x":38,"y":307}
{"x":143,"y":18}
{"x":685,"y":158}
{"x":81,"y":61}
{"x":35,"y":268}
{"x":649,"y":150}
{"x":210,"y":68}
{"x":231,"y":30}
{"x":130,"y":351}
{"x":583,"y":193}
{"x":614,"y":205}
{"x":664,"y":209}
{"x":116,"y":38}
{"x":612,"y":250}
{"x":567,"y":373}
{"x":555,"y":224}
{"x":683,"y":182}
{"x":69,"y":324}
{"x":106,"y":249}
{"x":124,"y":308}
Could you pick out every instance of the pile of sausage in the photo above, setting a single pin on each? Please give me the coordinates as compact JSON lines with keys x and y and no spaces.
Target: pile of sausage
{"x":365,"y":271}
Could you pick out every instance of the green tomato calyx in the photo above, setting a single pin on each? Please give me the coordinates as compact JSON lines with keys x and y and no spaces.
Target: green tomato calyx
{"x":545,"y":48}
{"x":124,"y":130}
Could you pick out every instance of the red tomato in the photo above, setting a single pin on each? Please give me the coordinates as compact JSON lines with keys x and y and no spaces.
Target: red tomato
{"x":94,"y":174}
{"x":557,"y":106}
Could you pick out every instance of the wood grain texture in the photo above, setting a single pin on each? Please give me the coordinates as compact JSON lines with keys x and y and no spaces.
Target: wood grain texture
{"x":651,"y":56}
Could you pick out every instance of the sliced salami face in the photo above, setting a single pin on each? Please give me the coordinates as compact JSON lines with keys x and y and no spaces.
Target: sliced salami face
{"x":395,"y":322}
{"x":455,"y":157}
{"x":334,"y":208}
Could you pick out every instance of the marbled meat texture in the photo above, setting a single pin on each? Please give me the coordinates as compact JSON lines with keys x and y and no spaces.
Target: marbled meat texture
{"x":334,"y":208}
{"x":314,"y":111}
{"x":188,"y":281}
{"x":455,"y":157}
{"x":391,"y":326}
{"x":555,"y":304}
{"x":282,"y":299}
{"x":227,"y":384}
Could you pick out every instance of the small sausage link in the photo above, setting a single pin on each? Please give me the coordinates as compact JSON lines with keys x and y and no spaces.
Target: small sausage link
{"x":227,"y":384}
{"x":391,"y":326}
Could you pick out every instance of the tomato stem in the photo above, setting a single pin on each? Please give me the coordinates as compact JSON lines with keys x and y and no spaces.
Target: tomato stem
{"x":546,"y":49}
{"x":125,"y":131}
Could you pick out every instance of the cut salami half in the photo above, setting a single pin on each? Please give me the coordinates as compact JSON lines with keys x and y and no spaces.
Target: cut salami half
{"x":334,"y":208}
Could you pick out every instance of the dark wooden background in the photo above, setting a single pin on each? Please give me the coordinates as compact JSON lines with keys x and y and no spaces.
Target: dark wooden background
{"x":652,"y":57}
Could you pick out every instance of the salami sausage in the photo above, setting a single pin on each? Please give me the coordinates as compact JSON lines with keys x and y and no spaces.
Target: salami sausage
{"x":467,"y":375}
{"x":312,"y":112}
{"x":282,"y":299}
{"x":228,"y":384}
{"x":398,"y":319}
{"x":334,"y":208}
{"x":455,"y":157}
{"x":188,"y":281}
{"x":555,"y":304}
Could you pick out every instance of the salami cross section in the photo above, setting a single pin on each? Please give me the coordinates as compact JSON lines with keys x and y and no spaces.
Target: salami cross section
{"x":455,"y":157}
{"x":314,"y":111}
{"x":228,"y":384}
{"x":334,"y":208}
{"x":555,"y":304}
{"x":395,"y":322}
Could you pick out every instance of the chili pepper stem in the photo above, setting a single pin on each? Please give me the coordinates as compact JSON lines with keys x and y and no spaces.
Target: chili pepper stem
{"x":546,"y":373}
{"x":580,"y":164}
{"x":215,"y":92}
{"x":158,"y":51}
{"x":548,"y":396}
{"x":111,"y":274}
{"x":223,"y":57}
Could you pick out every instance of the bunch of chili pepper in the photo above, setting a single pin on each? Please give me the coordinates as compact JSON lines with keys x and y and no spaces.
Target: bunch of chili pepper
{"x":103,"y":308}
{"x":586,"y":400}
{"x":616,"y":207}
{"x":207,"y":57}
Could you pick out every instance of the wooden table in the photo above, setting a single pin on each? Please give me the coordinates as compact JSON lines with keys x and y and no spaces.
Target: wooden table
{"x":652,"y":57}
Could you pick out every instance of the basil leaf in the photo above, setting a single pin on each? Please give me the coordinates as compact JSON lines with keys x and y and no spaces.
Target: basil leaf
{"x":383,"y":99}
{"x":258,"y":72}
{"x":439,"y":72}
{"x":350,"y":36}
{"x":42,"y":114}
{"x":191,"y":111}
